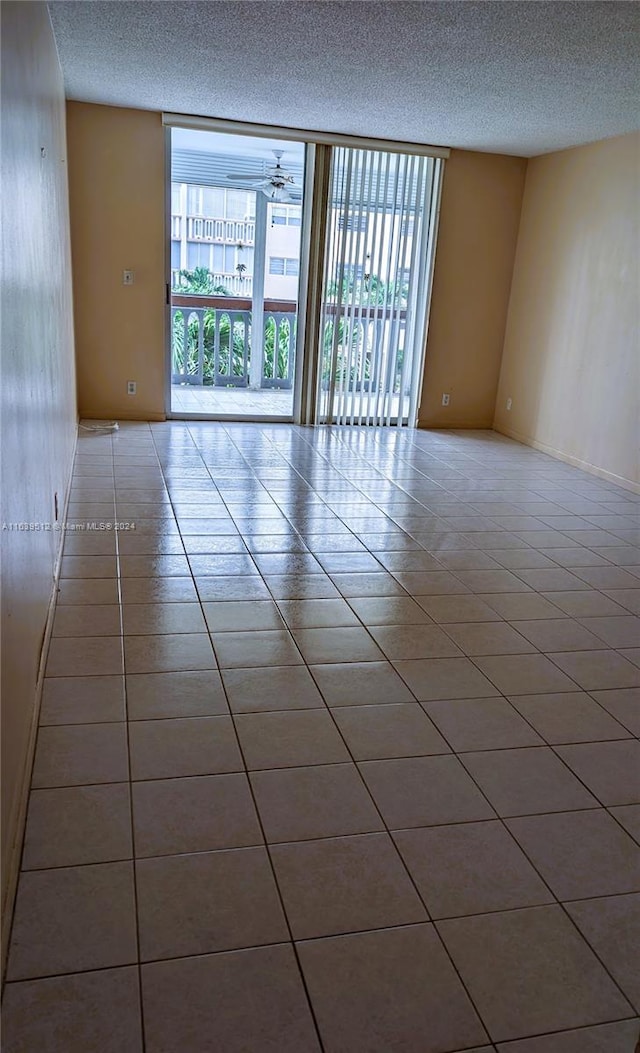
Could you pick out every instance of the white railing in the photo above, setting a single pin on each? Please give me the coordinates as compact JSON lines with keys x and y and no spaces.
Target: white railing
{"x":233,"y":283}
{"x":213,"y":229}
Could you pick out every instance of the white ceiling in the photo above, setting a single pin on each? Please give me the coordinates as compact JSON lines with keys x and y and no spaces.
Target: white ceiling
{"x":516,"y":77}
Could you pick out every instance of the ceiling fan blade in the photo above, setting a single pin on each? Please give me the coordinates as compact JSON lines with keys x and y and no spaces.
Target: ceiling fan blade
{"x":255,"y":178}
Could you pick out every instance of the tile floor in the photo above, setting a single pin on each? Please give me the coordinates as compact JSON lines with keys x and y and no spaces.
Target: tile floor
{"x":338,"y":751}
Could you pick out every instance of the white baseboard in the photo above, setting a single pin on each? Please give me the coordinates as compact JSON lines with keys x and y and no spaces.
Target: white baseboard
{"x":18,"y":817}
{"x":576,"y":462}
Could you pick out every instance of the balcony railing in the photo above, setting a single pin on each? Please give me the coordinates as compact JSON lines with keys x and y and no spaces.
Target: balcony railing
{"x":211,"y":342}
{"x":213,"y":228}
{"x":238,"y":285}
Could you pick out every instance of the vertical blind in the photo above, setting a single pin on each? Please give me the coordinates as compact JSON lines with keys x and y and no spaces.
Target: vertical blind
{"x":376,"y":281}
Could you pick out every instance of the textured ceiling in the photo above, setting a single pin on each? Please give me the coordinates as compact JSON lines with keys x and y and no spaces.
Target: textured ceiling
{"x":507,"y":77}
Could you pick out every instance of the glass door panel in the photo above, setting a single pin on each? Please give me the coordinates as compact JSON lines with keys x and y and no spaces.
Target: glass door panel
{"x":236,"y":206}
{"x":375,"y":286}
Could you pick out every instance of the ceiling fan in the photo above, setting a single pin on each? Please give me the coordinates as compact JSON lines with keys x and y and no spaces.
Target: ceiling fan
{"x":275,"y":182}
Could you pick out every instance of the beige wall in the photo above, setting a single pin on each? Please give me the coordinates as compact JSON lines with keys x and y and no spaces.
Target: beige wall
{"x":38,"y":387}
{"x":571,"y":359}
{"x":117,"y":206}
{"x":479,"y":216}
{"x":116,"y":186}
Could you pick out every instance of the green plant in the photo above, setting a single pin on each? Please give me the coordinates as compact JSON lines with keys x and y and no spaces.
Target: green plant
{"x":199,"y":280}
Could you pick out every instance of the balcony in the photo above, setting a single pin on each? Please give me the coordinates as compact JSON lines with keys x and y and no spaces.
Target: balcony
{"x":214,"y":371}
{"x":211,"y":345}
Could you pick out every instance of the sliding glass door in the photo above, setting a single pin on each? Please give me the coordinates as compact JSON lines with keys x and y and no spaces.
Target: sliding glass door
{"x":299,"y":274}
{"x":236,"y":213}
{"x":375,"y":286}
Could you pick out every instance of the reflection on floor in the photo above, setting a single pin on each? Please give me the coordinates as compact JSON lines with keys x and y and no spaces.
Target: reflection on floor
{"x":336,"y":751}
{"x":233,"y":402}
{"x":268,"y":402}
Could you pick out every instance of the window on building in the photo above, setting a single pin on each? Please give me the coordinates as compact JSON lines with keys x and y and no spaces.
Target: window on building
{"x":238,"y":204}
{"x":354,"y":221}
{"x":198,"y":255}
{"x":285,"y":265}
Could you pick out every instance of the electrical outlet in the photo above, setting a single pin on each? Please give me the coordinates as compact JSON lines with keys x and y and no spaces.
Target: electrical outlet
{"x":509,"y":404}
{"x":445,"y":398}
{"x":127,"y":277}
{"x":131,"y":387}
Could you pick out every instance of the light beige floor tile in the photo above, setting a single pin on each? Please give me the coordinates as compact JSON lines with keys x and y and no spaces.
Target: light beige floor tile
{"x":555,"y":580}
{"x":524,"y":674}
{"x":168,"y":653}
{"x":315,"y":614}
{"x":322,"y":801}
{"x":382,"y":584}
{"x":376,"y":732}
{"x":492,"y":581}
{"x":389,"y":610}
{"x":588,"y":604}
{"x":481,"y":724}
{"x":542,"y":975}
{"x":623,"y":704}
{"x":446,"y":609}
{"x":344,"y":884}
{"x":434,"y":583}
{"x":165,"y":749}
{"x":413,"y":641}
{"x":158,"y":590}
{"x":259,"y":648}
{"x":87,"y":620}
{"x":210,"y":901}
{"x":75,"y":825}
{"x":150,"y":544}
{"x":616,"y":632}
{"x":481,"y":638}
{"x":85,"y":656}
{"x":194,"y":815}
{"x":603,"y":1038}
{"x":79,"y":754}
{"x":568,"y":717}
{"x":271,"y":688}
{"x":611,"y":770}
{"x":301,"y":587}
{"x":188,"y":1000}
{"x":628,"y":815}
{"x":407,"y":993}
{"x":190,"y":693}
{"x":82,"y":700}
{"x":526,"y":781}
{"x":607,"y":577}
{"x":612,"y":926}
{"x":470,"y":868}
{"x":626,"y":599}
{"x":360,"y":684}
{"x":342,"y":644}
{"x":71,"y":919}
{"x":145,"y":619}
{"x":89,"y":567}
{"x":557,"y":634}
{"x":434,"y":678}
{"x":598,"y":670}
{"x":162,"y":566}
{"x":520,"y":606}
{"x":242,"y":615}
{"x":289,"y":739}
{"x":79,"y":1013}
{"x":580,"y":854}
{"x":424,"y":791}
